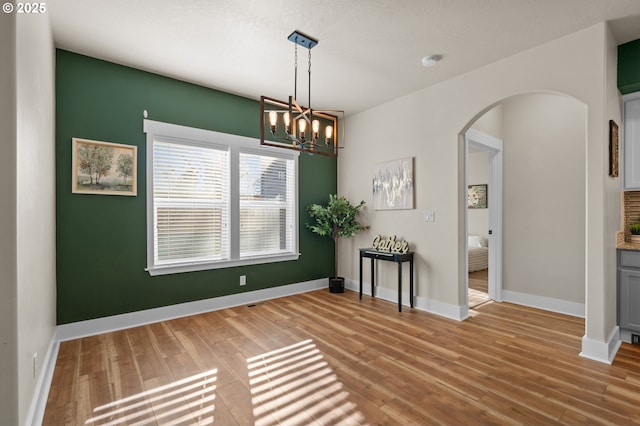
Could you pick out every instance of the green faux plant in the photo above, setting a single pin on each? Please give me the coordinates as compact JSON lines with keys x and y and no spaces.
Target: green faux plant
{"x":634,"y":228}
{"x":338,"y":218}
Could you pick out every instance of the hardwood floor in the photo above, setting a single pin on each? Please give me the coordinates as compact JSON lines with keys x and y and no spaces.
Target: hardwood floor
{"x":323,"y":358}
{"x":479,"y":280}
{"x":478,"y":288}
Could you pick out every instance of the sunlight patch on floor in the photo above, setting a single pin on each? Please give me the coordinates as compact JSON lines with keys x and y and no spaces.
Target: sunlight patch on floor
{"x":294,"y":385}
{"x":477,"y":298}
{"x":189,"y":400}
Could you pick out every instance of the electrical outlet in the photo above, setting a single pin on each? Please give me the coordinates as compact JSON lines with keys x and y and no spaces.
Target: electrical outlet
{"x":430,"y":216}
{"x":35,"y":364}
{"x":243,"y":280}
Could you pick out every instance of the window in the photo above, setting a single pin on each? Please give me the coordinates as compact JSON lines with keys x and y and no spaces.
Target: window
{"x":266,"y":218}
{"x":216,"y":200}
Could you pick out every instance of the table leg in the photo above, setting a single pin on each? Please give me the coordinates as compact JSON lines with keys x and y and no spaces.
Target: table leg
{"x":411,"y":281}
{"x":399,"y":286}
{"x":373,"y":278}
{"x":360,"y":276}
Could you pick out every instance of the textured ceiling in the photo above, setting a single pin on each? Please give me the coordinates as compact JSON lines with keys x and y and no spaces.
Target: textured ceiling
{"x":369,"y":51}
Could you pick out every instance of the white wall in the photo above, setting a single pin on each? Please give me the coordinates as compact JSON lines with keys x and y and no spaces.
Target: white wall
{"x":35,"y":206}
{"x":544,"y":196}
{"x":8,"y":318}
{"x":490,"y":122}
{"x":612,"y":199}
{"x":433,"y":121}
{"x":478,"y":174}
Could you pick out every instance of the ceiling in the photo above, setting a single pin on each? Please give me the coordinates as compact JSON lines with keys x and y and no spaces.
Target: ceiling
{"x":369,"y":51}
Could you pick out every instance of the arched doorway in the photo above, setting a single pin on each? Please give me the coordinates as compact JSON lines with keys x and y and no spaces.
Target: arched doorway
{"x":544,"y":201}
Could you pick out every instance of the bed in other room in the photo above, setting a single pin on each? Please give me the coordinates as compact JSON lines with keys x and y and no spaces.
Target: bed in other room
{"x":478,"y":253}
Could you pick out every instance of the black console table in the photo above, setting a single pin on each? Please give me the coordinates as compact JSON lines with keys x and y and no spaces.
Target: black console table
{"x":393,"y":257}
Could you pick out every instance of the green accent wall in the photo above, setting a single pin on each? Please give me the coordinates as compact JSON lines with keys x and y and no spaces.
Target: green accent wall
{"x":101,"y":239}
{"x":629,"y":67}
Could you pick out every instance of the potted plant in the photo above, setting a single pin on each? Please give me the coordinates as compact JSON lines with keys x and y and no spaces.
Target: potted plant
{"x":336,"y":219}
{"x":634,"y":228}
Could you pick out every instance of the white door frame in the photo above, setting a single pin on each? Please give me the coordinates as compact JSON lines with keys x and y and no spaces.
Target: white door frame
{"x":485,"y":142}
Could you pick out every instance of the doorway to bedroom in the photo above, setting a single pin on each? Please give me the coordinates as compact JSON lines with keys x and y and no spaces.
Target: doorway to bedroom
{"x":483,"y":173}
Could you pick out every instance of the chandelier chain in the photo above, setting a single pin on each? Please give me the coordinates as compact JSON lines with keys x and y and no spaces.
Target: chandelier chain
{"x":309,"y":97}
{"x":295,"y":78}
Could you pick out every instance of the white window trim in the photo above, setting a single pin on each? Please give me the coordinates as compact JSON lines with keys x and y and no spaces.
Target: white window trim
{"x":236,"y":144}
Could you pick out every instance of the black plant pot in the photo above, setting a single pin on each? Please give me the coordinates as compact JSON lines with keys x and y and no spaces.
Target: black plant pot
{"x":336,"y":285}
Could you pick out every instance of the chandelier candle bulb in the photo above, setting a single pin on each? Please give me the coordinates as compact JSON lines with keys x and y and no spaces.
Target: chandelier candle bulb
{"x":328,"y":134}
{"x":315,"y":125}
{"x":287,"y":122}
{"x":302,"y":124}
{"x":273,"y":119}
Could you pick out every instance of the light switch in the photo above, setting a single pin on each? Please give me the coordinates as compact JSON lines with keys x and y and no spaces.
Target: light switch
{"x":430,"y":216}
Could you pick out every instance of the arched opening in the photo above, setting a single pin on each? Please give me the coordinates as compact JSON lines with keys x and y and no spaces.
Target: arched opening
{"x":543,"y":200}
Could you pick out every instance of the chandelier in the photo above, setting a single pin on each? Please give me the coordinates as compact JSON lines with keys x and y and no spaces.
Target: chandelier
{"x":293,"y":126}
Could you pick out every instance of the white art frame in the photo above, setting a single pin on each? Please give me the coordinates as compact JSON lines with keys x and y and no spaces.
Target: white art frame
{"x":393,"y":185}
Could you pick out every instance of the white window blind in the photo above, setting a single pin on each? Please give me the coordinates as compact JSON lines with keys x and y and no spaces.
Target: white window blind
{"x":191,"y":203}
{"x":266,"y":210}
{"x":216,"y":200}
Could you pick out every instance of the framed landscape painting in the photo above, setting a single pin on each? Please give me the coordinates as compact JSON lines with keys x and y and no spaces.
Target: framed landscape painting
{"x":103,"y":168}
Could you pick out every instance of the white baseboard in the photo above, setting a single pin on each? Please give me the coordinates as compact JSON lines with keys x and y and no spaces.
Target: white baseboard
{"x":625,"y":335}
{"x":41,"y":392}
{"x":460,"y":313}
{"x":544,"y":303}
{"x":602,"y":351}
{"x":134,"y":319}
{"x":446,"y":310}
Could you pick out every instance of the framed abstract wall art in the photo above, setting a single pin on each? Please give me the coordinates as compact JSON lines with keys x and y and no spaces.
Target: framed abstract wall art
{"x":393,"y":185}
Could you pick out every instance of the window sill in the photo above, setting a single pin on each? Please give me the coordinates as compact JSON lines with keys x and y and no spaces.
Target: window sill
{"x":204,"y":266}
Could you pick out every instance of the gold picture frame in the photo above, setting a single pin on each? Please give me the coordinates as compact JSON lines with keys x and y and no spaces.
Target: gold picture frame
{"x":478,"y":196}
{"x":614,"y":154}
{"x":103,"y":168}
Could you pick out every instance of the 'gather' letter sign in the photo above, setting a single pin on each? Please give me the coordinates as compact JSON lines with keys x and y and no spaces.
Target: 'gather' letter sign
{"x":390,"y":245}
